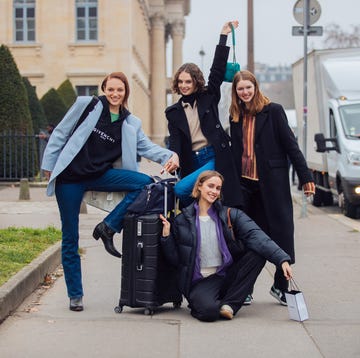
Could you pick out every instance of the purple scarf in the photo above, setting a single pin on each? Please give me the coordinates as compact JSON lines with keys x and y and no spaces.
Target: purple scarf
{"x":225,"y":253}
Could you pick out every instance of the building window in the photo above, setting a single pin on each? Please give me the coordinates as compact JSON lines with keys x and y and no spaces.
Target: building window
{"x":86,"y":20}
{"x":87,"y":90}
{"x":24,"y":18}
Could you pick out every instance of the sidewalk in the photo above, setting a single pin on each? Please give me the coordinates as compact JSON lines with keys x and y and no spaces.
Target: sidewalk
{"x":327,"y":270}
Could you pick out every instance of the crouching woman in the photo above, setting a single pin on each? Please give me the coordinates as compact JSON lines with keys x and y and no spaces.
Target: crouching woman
{"x":218,"y":257}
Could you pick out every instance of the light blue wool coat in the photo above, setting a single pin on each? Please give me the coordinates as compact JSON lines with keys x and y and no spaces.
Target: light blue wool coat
{"x":64,"y":144}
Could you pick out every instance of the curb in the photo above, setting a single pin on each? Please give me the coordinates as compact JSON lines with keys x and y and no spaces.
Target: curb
{"x":31,"y":184}
{"x":21,"y":285}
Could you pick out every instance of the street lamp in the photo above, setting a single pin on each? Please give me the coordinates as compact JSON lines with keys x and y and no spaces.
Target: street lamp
{"x":202,"y":54}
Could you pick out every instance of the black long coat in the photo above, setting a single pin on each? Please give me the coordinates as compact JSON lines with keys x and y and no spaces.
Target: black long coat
{"x":274,"y":144}
{"x":207,"y":104}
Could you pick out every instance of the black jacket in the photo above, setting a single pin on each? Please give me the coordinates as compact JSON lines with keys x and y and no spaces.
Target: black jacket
{"x":207,"y":104}
{"x":180,"y":247}
{"x":274,"y":144}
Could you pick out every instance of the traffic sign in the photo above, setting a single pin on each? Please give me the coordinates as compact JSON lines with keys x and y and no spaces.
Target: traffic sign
{"x":314,"y":11}
{"x":312,"y":31}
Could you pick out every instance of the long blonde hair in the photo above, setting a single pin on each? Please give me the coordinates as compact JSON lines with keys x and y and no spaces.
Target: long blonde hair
{"x":204,"y":176}
{"x":237,"y":108}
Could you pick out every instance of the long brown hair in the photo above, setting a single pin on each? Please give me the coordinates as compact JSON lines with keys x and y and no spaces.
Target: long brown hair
{"x":237,"y":108}
{"x":204,"y":176}
{"x":120,"y":76}
{"x":195,"y":74}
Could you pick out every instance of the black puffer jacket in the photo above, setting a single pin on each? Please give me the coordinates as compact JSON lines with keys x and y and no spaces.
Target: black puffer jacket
{"x":180,"y":246}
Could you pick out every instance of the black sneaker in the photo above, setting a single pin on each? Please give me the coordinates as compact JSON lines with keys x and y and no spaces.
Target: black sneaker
{"x":278,"y":294}
{"x":248,"y":300}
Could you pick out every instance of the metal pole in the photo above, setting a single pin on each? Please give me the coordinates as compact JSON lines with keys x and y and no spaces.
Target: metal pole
{"x":306,"y":29}
{"x":250,"y":36}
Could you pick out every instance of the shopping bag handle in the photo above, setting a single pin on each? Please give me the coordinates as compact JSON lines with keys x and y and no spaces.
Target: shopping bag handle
{"x":233,"y":41}
{"x":293,"y":285}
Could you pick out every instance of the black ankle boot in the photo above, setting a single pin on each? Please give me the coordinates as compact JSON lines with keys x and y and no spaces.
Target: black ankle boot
{"x":76,"y":304}
{"x":106,"y":234}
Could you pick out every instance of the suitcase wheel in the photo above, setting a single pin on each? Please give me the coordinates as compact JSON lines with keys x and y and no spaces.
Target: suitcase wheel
{"x":177,"y":304}
{"x":148,"y":311}
{"x":118,"y":309}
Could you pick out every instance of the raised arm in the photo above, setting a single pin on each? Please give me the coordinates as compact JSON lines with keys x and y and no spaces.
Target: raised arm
{"x":218,"y":67}
{"x":227,"y":27}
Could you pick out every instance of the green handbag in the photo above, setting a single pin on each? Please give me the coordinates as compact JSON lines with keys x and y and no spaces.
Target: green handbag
{"x":232,"y":67}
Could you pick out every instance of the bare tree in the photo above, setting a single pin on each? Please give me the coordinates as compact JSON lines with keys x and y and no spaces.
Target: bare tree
{"x":336,"y":37}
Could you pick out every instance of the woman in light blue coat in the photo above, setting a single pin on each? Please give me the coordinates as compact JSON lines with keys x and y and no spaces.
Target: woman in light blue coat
{"x":79,"y":157}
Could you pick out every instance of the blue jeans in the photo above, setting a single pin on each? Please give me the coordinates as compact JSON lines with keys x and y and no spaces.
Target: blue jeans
{"x":204,"y":159}
{"x":69,"y":197}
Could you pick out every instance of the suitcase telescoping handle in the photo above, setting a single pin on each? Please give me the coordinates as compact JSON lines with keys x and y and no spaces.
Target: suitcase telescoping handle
{"x":166,"y":196}
{"x":165,"y":199}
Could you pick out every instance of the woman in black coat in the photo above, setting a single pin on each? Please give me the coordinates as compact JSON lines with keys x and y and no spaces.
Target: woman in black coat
{"x":195,"y":131}
{"x":262,"y":144}
{"x":215,"y":274}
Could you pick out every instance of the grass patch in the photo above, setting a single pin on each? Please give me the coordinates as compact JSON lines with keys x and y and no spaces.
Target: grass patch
{"x":20,"y":246}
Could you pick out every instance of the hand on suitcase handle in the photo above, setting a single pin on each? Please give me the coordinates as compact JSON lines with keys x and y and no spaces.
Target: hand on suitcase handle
{"x":166,"y":226}
{"x":171,"y":165}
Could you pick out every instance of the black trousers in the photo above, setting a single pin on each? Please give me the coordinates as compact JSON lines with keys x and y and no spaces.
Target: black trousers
{"x":254,"y":207}
{"x":209,"y":294}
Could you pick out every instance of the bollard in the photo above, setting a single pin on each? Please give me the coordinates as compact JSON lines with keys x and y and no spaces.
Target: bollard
{"x":83,"y":208}
{"x":24,"y":193}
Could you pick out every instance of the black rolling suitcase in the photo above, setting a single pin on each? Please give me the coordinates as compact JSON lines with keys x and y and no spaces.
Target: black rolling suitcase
{"x":147,"y":280}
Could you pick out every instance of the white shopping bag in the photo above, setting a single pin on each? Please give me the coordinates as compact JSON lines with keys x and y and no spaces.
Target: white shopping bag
{"x":296,"y":303}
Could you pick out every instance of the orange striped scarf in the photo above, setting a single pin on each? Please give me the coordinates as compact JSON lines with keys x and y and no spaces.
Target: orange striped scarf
{"x":249,"y":169}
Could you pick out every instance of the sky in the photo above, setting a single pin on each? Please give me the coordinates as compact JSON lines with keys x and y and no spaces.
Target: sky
{"x":273,"y":22}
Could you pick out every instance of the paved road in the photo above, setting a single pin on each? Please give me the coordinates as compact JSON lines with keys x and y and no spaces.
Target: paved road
{"x":327,"y":270}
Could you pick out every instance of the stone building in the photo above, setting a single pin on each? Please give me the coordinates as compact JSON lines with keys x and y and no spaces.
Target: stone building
{"x":83,"y":40}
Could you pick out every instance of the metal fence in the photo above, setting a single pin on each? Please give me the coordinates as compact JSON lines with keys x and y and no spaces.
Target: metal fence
{"x":20,"y":156}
